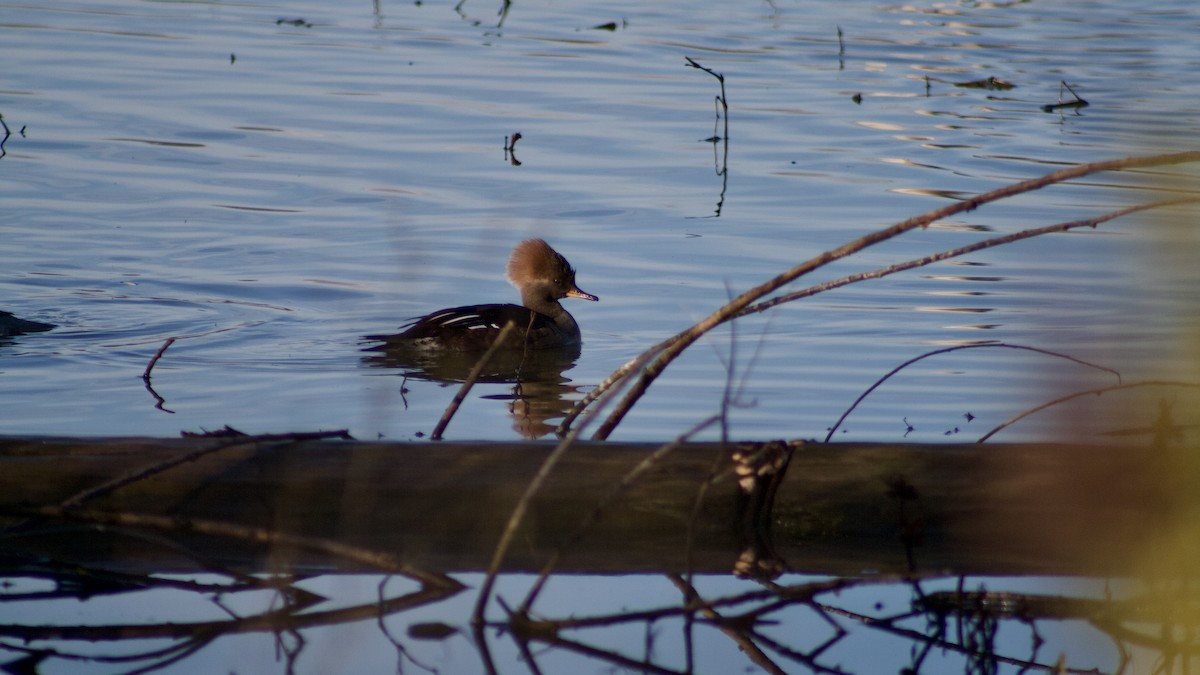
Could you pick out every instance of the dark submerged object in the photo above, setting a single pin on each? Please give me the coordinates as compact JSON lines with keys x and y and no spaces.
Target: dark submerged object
{"x":542,"y":275}
{"x":11,"y":325}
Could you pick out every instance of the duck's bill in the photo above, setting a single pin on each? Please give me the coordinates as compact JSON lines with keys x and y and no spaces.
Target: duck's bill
{"x":576,"y":293}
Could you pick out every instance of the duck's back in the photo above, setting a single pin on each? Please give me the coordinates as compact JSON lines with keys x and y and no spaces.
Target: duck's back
{"x":476,"y":327}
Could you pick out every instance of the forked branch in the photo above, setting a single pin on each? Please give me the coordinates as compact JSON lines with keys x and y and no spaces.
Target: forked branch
{"x":652,"y":363}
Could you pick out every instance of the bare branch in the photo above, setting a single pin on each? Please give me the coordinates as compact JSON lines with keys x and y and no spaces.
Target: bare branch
{"x":470,"y":381}
{"x":936,"y":352}
{"x":246,"y":533}
{"x":154,"y":359}
{"x":684,"y":339}
{"x":1090,"y":392}
{"x":963,"y":250}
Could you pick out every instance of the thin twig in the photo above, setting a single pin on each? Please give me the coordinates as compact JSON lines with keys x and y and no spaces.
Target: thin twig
{"x":510,"y":148}
{"x":1077,"y":103}
{"x":724,"y":102}
{"x":740,"y":637}
{"x":936,"y":352}
{"x":730,"y":368}
{"x":961,"y":251}
{"x":514,"y":520}
{"x":642,"y":359}
{"x":518,"y":514}
{"x":777,"y":594}
{"x":470,"y":381}
{"x":1077,"y":96}
{"x":479,"y":636}
{"x":159,"y":401}
{"x":111,"y":486}
{"x":1079,"y":394}
{"x":615,"y":377}
{"x":246,"y":533}
{"x":592,"y":517}
{"x":684,"y":339}
{"x":4,"y":140}
{"x":619,"y":661}
{"x":689,"y":544}
{"x":721,"y":110}
{"x":154,"y":359}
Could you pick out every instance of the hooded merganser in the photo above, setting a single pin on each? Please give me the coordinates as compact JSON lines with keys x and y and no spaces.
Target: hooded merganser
{"x":543,"y":277}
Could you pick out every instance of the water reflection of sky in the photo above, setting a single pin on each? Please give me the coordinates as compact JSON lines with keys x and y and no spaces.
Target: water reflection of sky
{"x":269,"y":192}
{"x":436,"y":636}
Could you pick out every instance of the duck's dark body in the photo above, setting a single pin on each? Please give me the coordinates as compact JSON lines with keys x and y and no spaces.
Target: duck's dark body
{"x":476,"y":327}
{"x":542,"y":275}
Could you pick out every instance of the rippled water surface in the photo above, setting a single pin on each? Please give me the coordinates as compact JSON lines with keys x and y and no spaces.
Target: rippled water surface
{"x":268,"y":182}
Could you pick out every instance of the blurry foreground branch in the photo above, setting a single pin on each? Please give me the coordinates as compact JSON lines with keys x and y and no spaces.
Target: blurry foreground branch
{"x":651,"y":363}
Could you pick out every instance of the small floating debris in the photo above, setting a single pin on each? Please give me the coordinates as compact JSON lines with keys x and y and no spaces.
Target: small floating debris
{"x":510,"y":148}
{"x":299,"y":23}
{"x":431,"y":631}
{"x":1077,"y":103}
{"x":227,"y":432}
{"x":612,"y":26}
{"x":990,"y":83}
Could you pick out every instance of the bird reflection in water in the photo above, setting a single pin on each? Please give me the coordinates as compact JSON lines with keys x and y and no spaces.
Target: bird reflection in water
{"x":540,"y":390}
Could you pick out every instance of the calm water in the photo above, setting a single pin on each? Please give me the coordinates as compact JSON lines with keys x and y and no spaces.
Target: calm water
{"x":269,"y":182}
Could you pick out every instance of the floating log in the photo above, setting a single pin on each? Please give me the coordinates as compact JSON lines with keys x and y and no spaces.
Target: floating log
{"x":845,"y":509}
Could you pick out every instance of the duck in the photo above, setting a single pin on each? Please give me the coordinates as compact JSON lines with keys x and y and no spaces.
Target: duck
{"x":543,"y":277}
